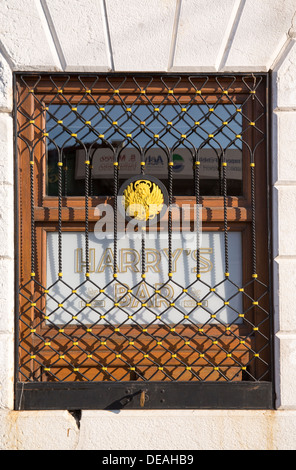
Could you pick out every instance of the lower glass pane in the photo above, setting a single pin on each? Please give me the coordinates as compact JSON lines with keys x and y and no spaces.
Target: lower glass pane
{"x":129,"y":298}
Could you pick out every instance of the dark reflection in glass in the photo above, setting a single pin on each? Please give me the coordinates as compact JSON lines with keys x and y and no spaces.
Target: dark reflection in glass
{"x":208,"y":135}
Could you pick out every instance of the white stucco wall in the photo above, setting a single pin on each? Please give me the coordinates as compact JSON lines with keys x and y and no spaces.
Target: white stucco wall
{"x":164,"y":36}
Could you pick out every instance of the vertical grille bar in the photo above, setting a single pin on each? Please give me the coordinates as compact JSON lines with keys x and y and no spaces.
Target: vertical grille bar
{"x":87,"y":175}
{"x":60,"y":197}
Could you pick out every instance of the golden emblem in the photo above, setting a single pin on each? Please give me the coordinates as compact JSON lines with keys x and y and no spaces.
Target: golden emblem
{"x":143,"y":199}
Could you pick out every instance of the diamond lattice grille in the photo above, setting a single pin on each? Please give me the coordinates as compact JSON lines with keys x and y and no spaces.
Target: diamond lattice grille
{"x":153,"y":307}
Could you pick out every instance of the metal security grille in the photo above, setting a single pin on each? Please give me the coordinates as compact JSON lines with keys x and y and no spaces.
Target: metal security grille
{"x":138,"y":315}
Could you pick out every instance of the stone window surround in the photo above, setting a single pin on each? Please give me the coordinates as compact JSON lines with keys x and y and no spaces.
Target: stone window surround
{"x":283,"y":123}
{"x":159,"y":430}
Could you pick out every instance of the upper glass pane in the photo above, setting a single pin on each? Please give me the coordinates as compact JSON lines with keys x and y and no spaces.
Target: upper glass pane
{"x":148,"y":134}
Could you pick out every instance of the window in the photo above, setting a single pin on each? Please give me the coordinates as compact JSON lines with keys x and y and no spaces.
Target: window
{"x":143,"y":242}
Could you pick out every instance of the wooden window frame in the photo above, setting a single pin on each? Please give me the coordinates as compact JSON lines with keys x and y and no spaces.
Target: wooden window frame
{"x":46,"y":217}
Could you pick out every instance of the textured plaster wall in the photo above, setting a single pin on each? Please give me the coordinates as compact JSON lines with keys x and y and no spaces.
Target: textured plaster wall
{"x":164,"y":36}
{"x":148,"y":430}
